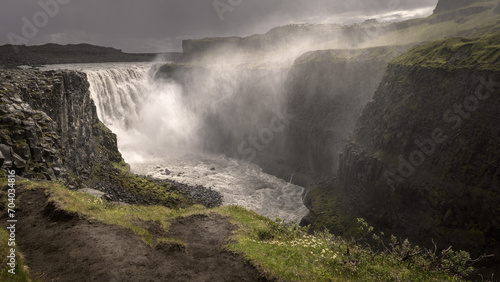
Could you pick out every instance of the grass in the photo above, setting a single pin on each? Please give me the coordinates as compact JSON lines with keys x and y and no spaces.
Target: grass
{"x":21,"y":271}
{"x":382,"y":54}
{"x":95,"y":208}
{"x":478,"y":53}
{"x":280,"y":250}
{"x":109,"y":166}
{"x":288,"y":252}
{"x":118,"y":174}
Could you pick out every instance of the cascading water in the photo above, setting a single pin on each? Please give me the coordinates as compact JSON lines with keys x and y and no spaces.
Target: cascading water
{"x":164,"y":130}
{"x":148,"y":117}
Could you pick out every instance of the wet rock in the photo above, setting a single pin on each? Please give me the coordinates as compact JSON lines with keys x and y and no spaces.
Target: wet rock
{"x":49,"y":120}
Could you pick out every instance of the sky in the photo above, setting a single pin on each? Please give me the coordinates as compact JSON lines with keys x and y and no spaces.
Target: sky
{"x":161,"y":25}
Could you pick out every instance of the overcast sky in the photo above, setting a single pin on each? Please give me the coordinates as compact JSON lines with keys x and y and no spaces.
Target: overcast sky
{"x":160,"y":25}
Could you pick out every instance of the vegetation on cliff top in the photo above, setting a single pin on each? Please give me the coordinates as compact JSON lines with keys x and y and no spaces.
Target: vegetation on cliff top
{"x":477,"y":53}
{"x":384,"y":54}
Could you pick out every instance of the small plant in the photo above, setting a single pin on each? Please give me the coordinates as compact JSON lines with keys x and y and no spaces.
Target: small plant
{"x":290,"y":252}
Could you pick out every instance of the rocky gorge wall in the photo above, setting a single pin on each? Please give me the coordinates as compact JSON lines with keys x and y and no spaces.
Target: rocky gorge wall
{"x":50,"y":129}
{"x":423,"y":161}
{"x":326,"y":92}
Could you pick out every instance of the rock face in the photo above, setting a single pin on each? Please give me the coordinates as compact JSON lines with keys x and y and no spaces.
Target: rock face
{"x":49,"y":124}
{"x":327,"y":91}
{"x":449,"y":5}
{"x":424,"y":159}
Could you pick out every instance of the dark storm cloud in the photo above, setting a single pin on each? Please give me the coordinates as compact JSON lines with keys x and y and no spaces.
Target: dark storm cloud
{"x":154,"y":25}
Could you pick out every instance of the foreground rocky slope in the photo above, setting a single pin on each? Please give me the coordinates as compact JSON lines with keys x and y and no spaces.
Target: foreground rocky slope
{"x":423,"y":161}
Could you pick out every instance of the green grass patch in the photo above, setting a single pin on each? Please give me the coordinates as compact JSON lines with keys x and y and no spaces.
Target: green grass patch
{"x":94,"y":208}
{"x":20,"y":271}
{"x":378,"y":54}
{"x":479,"y":53}
{"x":289,"y":252}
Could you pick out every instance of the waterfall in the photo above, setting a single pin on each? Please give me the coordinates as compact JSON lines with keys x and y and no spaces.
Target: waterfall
{"x":118,"y":94}
{"x":218,"y":111}
{"x":193,"y":128}
{"x":148,"y":116}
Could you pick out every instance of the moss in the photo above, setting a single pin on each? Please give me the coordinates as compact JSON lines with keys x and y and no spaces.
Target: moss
{"x":106,"y":142}
{"x":328,"y":212}
{"x":118,"y":174}
{"x":109,"y":166}
{"x":20,"y":270}
{"x":122,"y":165}
{"x":455,"y":53}
{"x":382,"y":54}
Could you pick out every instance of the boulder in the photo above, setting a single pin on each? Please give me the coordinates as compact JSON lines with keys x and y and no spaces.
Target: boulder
{"x":7,"y":155}
{"x":18,"y":162}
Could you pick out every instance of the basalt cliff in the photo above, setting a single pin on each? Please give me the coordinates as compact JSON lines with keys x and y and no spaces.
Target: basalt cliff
{"x":50,"y":128}
{"x":423,"y":159}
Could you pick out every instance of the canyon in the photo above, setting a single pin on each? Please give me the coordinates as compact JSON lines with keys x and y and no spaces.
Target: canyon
{"x":403,"y":134}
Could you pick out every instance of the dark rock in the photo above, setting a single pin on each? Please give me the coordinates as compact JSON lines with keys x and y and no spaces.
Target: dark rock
{"x":450,"y":5}
{"x":37,"y":155}
{"x":2,"y":159}
{"x":18,"y":163}
{"x":408,"y":170}
{"x":7,"y":155}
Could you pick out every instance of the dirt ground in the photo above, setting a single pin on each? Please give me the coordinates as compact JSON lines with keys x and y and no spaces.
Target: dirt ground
{"x":61,"y":247}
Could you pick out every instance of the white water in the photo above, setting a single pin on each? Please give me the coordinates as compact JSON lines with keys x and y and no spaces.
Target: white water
{"x":158,"y":125}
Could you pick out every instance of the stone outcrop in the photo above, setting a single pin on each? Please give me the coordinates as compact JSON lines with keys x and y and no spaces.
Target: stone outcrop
{"x":50,"y":126}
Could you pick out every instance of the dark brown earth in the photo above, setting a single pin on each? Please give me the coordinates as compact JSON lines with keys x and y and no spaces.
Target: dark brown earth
{"x":59,"y":246}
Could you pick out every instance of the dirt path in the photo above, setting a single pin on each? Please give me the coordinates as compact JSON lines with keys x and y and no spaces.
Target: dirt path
{"x":60,"y":247}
